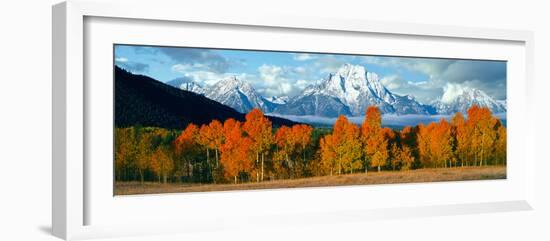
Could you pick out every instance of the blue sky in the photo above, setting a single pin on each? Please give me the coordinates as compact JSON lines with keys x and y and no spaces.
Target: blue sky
{"x":287,"y":73}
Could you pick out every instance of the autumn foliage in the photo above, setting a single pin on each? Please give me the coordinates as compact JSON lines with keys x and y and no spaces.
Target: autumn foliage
{"x":255,"y":151}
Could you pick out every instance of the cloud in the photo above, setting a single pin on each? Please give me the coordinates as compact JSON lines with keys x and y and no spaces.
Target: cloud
{"x":209,"y":60}
{"x":462,"y":71}
{"x":134,"y":67}
{"x":451,"y":91}
{"x":144,"y":49}
{"x":488,"y":76}
{"x":184,"y":68}
{"x":276,"y":80}
{"x":391,"y":82}
{"x":304,"y":57}
{"x":328,"y":64}
{"x":428,"y":66}
{"x":270,"y":73}
{"x":121,"y":59}
{"x":282,"y":80}
{"x":423,"y":91}
{"x":302,"y":84}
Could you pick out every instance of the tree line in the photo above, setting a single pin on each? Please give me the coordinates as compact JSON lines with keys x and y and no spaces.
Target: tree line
{"x":237,"y":152}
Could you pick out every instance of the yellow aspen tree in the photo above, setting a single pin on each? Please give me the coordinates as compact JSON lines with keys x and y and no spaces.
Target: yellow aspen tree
{"x":259,"y":129}
{"x":370,"y":131}
{"x":162,"y":163}
{"x":406,"y":158}
{"x":328,"y":154}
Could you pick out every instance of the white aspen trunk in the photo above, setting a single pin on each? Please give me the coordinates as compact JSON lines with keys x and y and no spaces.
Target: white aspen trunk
{"x":378,"y":168}
{"x":257,"y":171}
{"x":263,"y":157}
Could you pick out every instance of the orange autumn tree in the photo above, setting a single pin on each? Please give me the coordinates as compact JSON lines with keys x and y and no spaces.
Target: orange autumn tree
{"x":435,"y":144}
{"x":236,"y":155}
{"x":374,"y":139}
{"x":259,"y":130}
{"x":370,"y":131}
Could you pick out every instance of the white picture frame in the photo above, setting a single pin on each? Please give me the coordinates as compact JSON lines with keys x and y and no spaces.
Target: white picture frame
{"x":73,"y":190}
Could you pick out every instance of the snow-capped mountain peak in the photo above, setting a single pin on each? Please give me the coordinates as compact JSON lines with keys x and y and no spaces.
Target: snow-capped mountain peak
{"x":187,"y":84}
{"x":351,"y":89}
{"x":459,"y":99}
{"x":237,"y":94}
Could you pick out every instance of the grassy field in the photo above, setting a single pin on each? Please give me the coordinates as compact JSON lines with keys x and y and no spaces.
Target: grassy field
{"x":386,"y":177}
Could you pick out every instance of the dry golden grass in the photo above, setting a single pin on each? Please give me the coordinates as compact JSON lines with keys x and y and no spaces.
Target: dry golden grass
{"x":385,"y":177}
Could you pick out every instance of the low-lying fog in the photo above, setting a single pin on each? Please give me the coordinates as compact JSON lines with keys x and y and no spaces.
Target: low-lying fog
{"x":387,"y":119}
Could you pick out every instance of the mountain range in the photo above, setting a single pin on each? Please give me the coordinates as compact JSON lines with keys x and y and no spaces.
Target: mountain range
{"x":348,"y":91}
{"x":141,"y":100}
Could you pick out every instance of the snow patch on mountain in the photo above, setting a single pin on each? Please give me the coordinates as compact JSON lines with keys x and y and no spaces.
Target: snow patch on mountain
{"x":280,"y":100}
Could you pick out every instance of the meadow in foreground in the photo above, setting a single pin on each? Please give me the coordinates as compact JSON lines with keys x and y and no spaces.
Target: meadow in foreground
{"x":384,"y":177}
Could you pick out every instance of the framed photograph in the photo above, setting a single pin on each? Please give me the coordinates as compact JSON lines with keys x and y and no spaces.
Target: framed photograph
{"x":166,"y":123}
